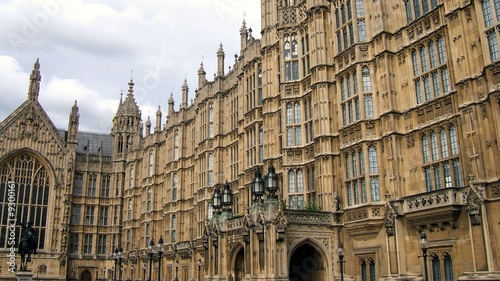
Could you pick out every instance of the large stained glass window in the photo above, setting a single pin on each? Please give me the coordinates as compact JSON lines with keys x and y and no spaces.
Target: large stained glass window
{"x":25,"y":181}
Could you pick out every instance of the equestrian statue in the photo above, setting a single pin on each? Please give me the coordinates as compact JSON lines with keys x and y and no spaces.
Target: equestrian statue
{"x":27,"y":245}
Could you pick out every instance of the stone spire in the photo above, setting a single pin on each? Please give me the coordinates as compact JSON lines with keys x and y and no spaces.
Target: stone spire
{"x":148,"y":126}
{"x":158,"y":119}
{"x":185,"y":90}
{"x":35,"y":79}
{"x":129,"y":106}
{"x":170,"y":104}
{"x":243,"y":37}
{"x":220,"y":61}
{"x":202,"y":79}
{"x":73,"y":123}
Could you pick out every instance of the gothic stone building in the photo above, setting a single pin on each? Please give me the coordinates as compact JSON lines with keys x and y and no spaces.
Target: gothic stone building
{"x":350,"y":124}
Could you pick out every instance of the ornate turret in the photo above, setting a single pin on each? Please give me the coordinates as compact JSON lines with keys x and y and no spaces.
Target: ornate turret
{"x":185,"y":90}
{"x":127,"y":126}
{"x":74,"y":121}
{"x":170,"y":105}
{"x":243,"y":37}
{"x":35,"y":79}
{"x":158,"y":120}
{"x":220,"y":61}
{"x":148,"y":126}
{"x":202,"y":79}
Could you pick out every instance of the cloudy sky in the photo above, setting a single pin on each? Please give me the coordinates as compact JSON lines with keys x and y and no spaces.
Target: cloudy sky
{"x":89,"y":50}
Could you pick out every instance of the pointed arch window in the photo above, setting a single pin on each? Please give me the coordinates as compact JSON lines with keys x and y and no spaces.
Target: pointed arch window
{"x":151,"y":164}
{"x":441,"y":163}
{"x":129,"y":209}
{"x":294,"y":127}
{"x":373,"y":169}
{"x":176,"y":146}
{"x":210,"y":168}
{"x":147,"y":234}
{"x":296,"y":189}
{"x":131,"y":178}
{"x":120,"y":144}
{"x":174,"y":187}
{"x":28,"y":180}
{"x":173,"y":227}
{"x":291,"y":55}
{"x":211,"y":122}
{"x":148,"y":199}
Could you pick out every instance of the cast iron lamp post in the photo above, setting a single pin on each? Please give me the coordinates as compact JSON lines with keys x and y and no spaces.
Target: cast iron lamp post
{"x":424,"y":245}
{"x":200,"y":264}
{"x":150,"y":255}
{"x":160,"y":253}
{"x":144,"y":272}
{"x":340,"y":252}
{"x":176,"y":270}
{"x":118,"y":257}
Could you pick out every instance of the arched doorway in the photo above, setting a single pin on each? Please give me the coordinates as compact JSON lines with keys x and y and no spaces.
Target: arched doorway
{"x":86,"y":276}
{"x":239,"y":265}
{"x":306,"y":263}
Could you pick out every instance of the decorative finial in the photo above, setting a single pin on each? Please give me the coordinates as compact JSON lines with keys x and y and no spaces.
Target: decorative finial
{"x":35,"y":79}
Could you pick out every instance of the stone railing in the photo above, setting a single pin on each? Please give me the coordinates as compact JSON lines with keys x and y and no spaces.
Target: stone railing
{"x":310,"y":217}
{"x":434,"y":199}
{"x":364,"y":213}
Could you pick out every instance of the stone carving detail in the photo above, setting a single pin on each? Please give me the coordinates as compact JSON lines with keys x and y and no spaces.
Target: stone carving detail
{"x":390,"y":216}
{"x":441,"y":197}
{"x":475,"y":200}
{"x":495,"y":191}
{"x":289,"y":16}
{"x":29,"y":125}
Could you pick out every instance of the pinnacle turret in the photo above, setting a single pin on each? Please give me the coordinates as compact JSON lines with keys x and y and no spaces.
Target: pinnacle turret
{"x":35,"y":79}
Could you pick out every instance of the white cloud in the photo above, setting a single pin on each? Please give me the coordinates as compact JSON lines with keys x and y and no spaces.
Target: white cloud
{"x":89,"y":48}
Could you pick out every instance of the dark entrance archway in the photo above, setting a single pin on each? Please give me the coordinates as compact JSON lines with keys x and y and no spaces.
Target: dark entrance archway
{"x":86,"y":276}
{"x":239,"y":265}
{"x":306,"y":263}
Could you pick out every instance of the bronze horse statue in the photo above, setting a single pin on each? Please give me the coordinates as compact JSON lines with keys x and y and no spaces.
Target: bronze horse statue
{"x":27,"y":245}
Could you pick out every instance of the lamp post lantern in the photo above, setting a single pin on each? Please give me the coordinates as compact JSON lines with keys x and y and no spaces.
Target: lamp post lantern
{"x":424,"y":245}
{"x":150,"y":255}
{"x":271,"y":181}
{"x":257,"y":187}
{"x":160,"y":253}
{"x":227,"y":197}
{"x":341,"y":253}
{"x":200,"y":264}
{"x":144,"y":271}
{"x":217,"y":199}
{"x":176,"y":270}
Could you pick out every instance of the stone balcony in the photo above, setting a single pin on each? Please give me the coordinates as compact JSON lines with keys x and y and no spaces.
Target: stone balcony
{"x":364,"y":221}
{"x":434,"y":208}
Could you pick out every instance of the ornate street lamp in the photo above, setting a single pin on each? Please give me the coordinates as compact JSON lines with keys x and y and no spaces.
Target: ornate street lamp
{"x":424,"y":245}
{"x":150,"y":255}
{"x":227,"y":197}
{"x":341,"y":253}
{"x":144,"y":271}
{"x":257,"y":187}
{"x":200,"y":264}
{"x":271,"y":182}
{"x":118,"y":257}
{"x":217,"y":199}
{"x":176,"y":270}
{"x":160,"y":253}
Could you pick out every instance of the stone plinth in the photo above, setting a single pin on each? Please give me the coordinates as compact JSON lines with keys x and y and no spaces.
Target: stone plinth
{"x":24,"y":276}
